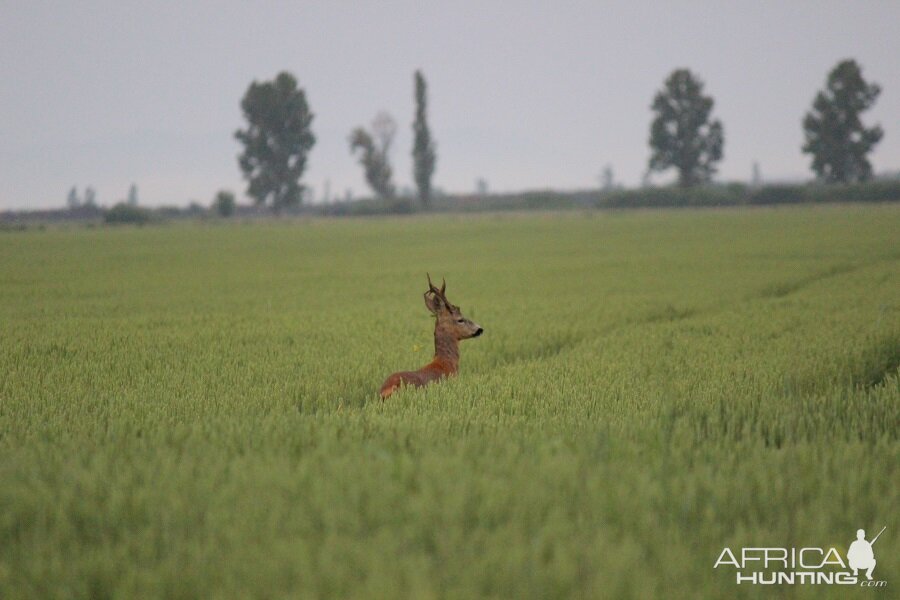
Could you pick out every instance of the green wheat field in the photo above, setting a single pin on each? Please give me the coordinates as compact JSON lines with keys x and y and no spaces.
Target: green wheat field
{"x":191,"y":410}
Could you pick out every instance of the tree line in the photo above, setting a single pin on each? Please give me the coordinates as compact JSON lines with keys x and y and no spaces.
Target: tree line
{"x":684,"y":136}
{"x":279,"y":136}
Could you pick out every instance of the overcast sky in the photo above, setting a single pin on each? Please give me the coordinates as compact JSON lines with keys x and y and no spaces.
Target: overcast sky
{"x":524,"y":94}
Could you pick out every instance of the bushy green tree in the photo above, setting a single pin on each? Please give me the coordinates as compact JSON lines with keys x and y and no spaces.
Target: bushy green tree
{"x":423,"y":152}
{"x":373,"y":149}
{"x":224,"y":203}
{"x":834,"y":133}
{"x":681,"y":134}
{"x":276,"y":141}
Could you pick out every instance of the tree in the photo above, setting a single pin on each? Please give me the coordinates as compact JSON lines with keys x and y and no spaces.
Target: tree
{"x":835,"y":136}
{"x":90,"y":197}
{"x":423,"y":152}
{"x":133,"y":195}
{"x":756,"y":177}
{"x":224,"y":203}
{"x":72,"y":200}
{"x":276,"y":142}
{"x":373,"y":151}
{"x":607,"y":179}
{"x":682,"y":135}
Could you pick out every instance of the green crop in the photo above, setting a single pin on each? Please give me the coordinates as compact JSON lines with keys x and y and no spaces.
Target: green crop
{"x":191,"y":411}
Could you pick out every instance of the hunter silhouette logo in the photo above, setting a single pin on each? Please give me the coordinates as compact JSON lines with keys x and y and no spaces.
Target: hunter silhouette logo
{"x":807,"y":565}
{"x":860,"y":554}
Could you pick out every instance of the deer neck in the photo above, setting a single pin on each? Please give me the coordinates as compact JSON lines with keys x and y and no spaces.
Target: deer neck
{"x":446,"y":348}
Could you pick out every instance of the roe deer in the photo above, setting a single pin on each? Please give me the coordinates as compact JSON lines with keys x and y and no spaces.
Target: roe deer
{"x":449,"y":327}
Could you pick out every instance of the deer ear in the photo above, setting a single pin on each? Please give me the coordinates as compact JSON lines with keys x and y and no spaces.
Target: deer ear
{"x":432,"y":302}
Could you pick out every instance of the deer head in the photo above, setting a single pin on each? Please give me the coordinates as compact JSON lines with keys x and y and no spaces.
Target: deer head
{"x":449,"y":318}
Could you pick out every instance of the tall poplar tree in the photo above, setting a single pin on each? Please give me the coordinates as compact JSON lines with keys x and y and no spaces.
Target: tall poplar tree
{"x":423,"y":152}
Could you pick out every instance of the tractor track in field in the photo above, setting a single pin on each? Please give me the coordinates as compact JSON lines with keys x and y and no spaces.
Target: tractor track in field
{"x":673,"y":314}
{"x":782,"y":289}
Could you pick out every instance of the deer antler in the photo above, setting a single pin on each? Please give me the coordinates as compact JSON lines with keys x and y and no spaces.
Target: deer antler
{"x":438,"y":292}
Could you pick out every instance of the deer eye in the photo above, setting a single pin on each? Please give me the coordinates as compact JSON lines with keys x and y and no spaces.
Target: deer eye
{"x":460,"y":320}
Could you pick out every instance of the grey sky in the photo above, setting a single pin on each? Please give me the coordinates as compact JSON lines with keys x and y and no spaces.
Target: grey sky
{"x":526,"y":95}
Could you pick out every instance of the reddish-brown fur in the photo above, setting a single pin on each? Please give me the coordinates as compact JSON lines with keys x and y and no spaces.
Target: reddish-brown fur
{"x":449,"y":327}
